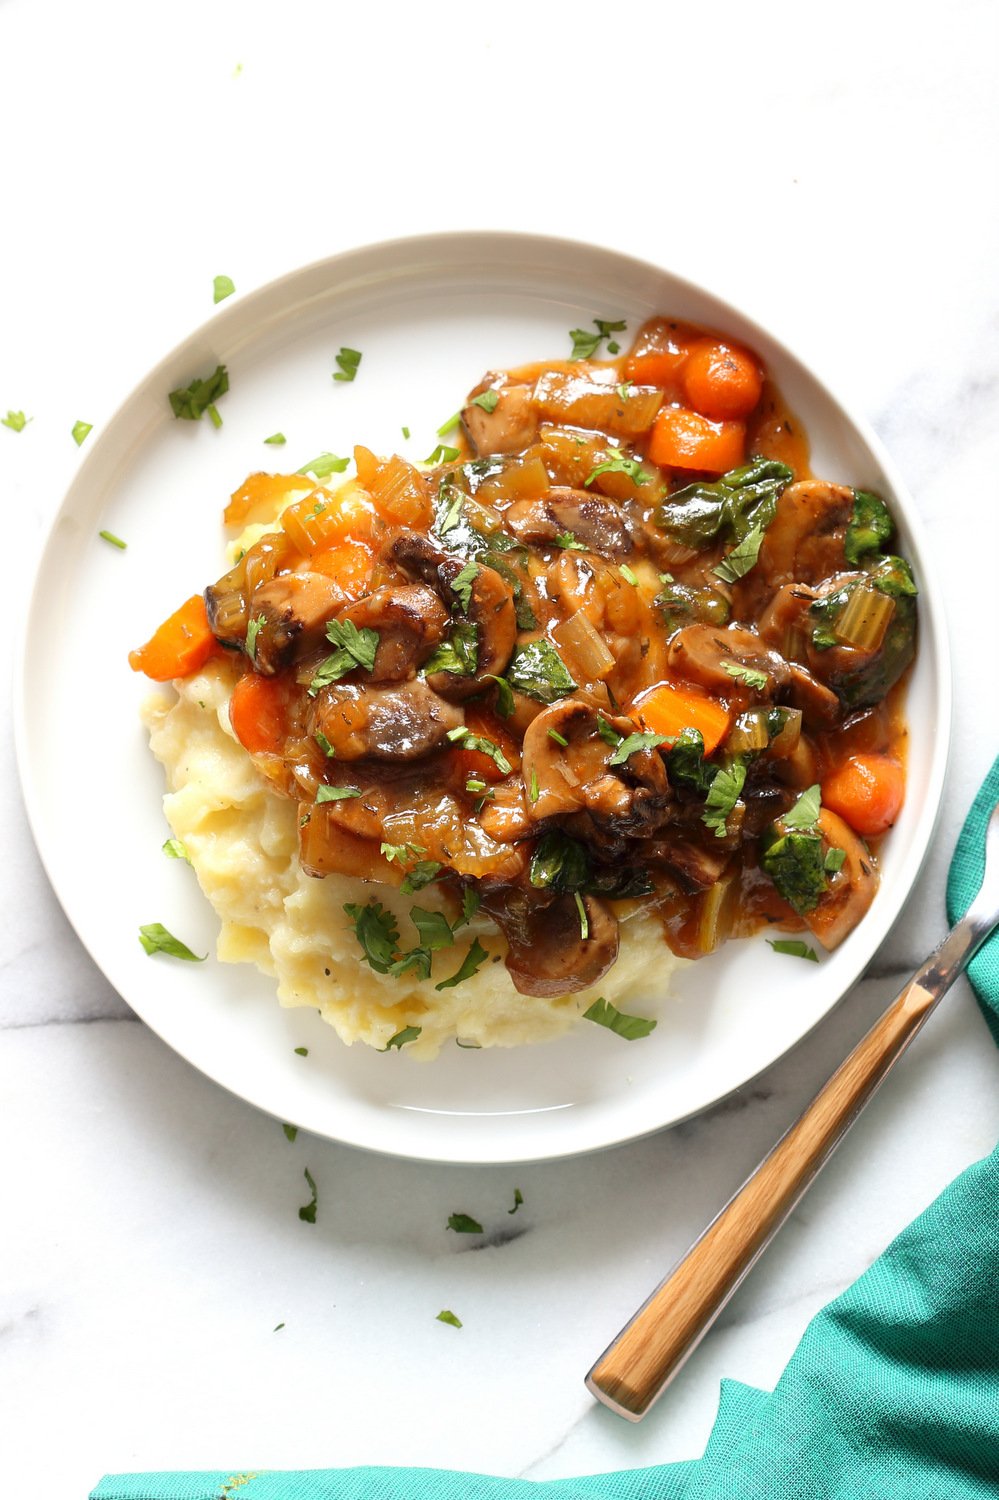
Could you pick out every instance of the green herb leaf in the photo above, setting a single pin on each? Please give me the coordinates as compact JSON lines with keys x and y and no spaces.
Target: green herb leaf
{"x":376,"y":932}
{"x":748,"y":675}
{"x":458,"y":653}
{"x":16,"y":421}
{"x":177,"y":849}
{"x":559,"y":739}
{"x":400,"y":852}
{"x":447,"y":1316}
{"x":155,"y":939}
{"x":629,"y":575}
{"x":685,"y":763}
{"x":559,"y":863}
{"x":301,"y":1051}
{"x":355,"y":648}
{"x":291,"y":1131}
{"x":422,"y":874}
{"x":893,"y":576}
{"x":276,"y":439}
{"x":870,"y":526}
{"x":434,"y":929}
{"x":834,"y":861}
{"x":442,"y":454}
{"x":81,"y":431}
{"x":308,"y":1213}
{"x":504,"y":695}
{"x":253,"y":629}
{"x":567,"y":541}
{"x":336,"y":793}
{"x":462,"y":584}
{"x":632,"y":1028}
{"x":795,"y":865}
{"x":190,"y":402}
{"x":406,"y":433}
{"x":624,"y":389}
{"x":534,"y":792}
{"x":795,"y":948}
{"x":585,"y":344}
{"x":619,"y":465}
{"x":402,"y":1038}
{"x":323,"y":466}
{"x":632,"y":744}
{"x":584,"y":921}
{"x":324,"y":744}
{"x":469,"y":741}
{"x":470,"y":903}
{"x":472,"y":963}
{"x":734,"y":504}
{"x":537,"y":670}
{"x":449,"y":425}
{"x":487,"y":400}
{"x":742,"y":559}
{"x":464,"y":1224}
{"x":607,"y":732}
{"x":723,"y":794}
{"x":518,"y":1199}
{"x":222,"y":287}
{"x":450,"y":500}
{"x":348,"y":361}
{"x":116,"y":541}
{"x":806,"y":810}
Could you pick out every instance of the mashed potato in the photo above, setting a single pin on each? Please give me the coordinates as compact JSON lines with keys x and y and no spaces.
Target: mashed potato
{"x":242,"y":840}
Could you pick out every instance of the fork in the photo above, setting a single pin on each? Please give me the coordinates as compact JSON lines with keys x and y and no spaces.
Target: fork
{"x":636,"y":1367}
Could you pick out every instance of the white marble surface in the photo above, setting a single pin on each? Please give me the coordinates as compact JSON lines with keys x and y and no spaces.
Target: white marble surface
{"x":835,"y":175}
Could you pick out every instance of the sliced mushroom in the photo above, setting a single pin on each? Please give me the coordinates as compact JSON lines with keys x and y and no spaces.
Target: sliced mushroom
{"x":509,"y":427}
{"x":820,"y":707}
{"x":548,"y":955}
{"x":593,"y":520}
{"x":293,"y":609}
{"x":804,"y":541}
{"x":719,"y":659}
{"x":851,"y":890}
{"x":410,"y":620}
{"x":399,"y":721}
{"x":566,"y":761}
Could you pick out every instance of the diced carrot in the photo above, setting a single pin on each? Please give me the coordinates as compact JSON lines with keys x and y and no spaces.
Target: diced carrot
{"x":658,"y":354}
{"x":400,"y":494}
{"x":867,"y":791}
{"x":180,"y":646}
{"x":259,"y":496}
{"x":349,"y":563}
{"x":683,"y":439}
{"x":721,"y":382}
{"x":672,"y":706}
{"x":258,"y":713}
{"x":476,"y":764}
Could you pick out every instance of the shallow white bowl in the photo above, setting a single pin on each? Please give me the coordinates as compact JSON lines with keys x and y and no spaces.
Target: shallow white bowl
{"x":429,"y":315}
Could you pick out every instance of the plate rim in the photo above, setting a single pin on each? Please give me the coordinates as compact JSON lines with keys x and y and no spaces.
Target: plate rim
{"x":463,"y":244}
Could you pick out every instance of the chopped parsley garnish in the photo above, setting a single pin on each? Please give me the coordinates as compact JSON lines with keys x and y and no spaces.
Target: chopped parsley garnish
{"x":336,"y":793}
{"x":748,"y":675}
{"x":534,"y":792}
{"x":191,"y":402}
{"x":308,"y":1212}
{"x":81,"y":431}
{"x":116,"y":541}
{"x":464,"y":1224}
{"x":156,"y":939}
{"x":631,"y":1028}
{"x":504,"y":696}
{"x":469,"y":741}
{"x":16,"y":421}
{"x":455,"y":499}
{"x":742,"y":559}
{"x":291,"y":1131}
{"x":629,"y":575}
{"x":348,"y":361}
{"x":422,"y":873}
{"x":632,"y":744}
{"x":487,"y":400}
{"x":723,"y":794}
{"x":355,"y":648}
{"x":870,"y":526}
{"x":685,"y":763}
{"x":442,"y":454}
{"x":586,"y":344}
{"x":376,"y":932}
{"x":559,"y":739}
{"x":447,"y":1316}
{"x":177,"y":849}
{"x":276,"y":439}
{"x":278,"y":1326}
{"x":471,"y":964}
{"x":632,"y":467}
{"x":734,"y":504}
{"x":518,"y":1199}
{"x":459,"y":653}
{"x":470,"y":903}
{"x":624,"y":389}
{"x":795,"y":865}
{"x":406,"y":433}
{"x":462,"y":584}
{"x":607,"y":732}
{"x":449,"y":425}
{"x":323,"y":466}
{"x":434,"y":929}
{"x":537,"y":670}
{"x":400,"y":852}
{"x":559,"y":863}
{"x":834,"y":861}
{"x":401,"y":1038}
{"x":253,"y":629}
{"x":324,"y":744}
{"x":584,"y":921}
{"x":795,"y":948}
{"x":301,"y":1051}
{"x":222,"y":287}
{"x":806,"y":810}
{"x":567,"y":541}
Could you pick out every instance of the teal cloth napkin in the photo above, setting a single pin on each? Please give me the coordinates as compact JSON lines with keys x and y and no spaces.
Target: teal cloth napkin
{"x":892,"y":1394}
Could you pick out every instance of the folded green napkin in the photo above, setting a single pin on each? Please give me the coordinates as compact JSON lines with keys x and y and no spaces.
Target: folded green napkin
{"x":892,"y":1394}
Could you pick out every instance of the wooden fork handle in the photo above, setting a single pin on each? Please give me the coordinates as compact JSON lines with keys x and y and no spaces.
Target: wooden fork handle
{"x":649,"y":1351}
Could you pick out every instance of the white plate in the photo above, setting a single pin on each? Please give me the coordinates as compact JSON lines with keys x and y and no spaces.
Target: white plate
{"x":430,"y":315}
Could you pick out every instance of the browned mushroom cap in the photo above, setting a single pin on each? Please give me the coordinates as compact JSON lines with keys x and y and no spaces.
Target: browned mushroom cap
{"x":492,"y":611}
{"x":593,"y":520}
{"x":567,"y":761}
{"x":851,"y":890}
{"x":820,"y":707}
{"x":293,"y":609}
{"x":410,"y":621}
{"x":398,"y":721}
{"x":511,"y":426}
{"x":548,"y":954}
{"x":804,"y":541}
{"x":714,"y":658}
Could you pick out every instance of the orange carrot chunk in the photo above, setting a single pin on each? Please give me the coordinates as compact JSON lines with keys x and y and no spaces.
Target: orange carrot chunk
{"x":672,"y":707}
{"x":180,"y":647}
{"x":683,"y":439}
{"x":867,"y":791}
{"x":721,"y":382}
{"x":257,"y":713}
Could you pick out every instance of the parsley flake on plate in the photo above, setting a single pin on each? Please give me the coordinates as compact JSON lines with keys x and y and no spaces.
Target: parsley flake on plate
{"x":567,"y":541}
{"x":401,"y":1038}
{"x":176,"y":849}
{"x":806,"y":810}
{"x":291,"y":1131}
{"x":324,"y":744}
{"x":16,"y":421}
{"x":449,"y":425}
{"x":301,"y":1051}
{"x":155,"y":938}
{"x":834,"y":860}
{"x":222,"y":287}
{"x":81,"y":431}
{"x":253,"y":629}
{"x":447,"y":1316}
{"x":308,"y":1212}
{"x":518,"y":1199}
{"x":190,"y":402}
{"x":632,"y":744}
{"x":464,"y":1224}
{"x":794,"y":948}
{"x":631,"y":1028}
{"x":459,"y":653}
{"x":586,"y":344}
{"x":348,"y":361}
{"x":537,"y":670}
{"x":742,"y":559}
{"x":469,"y":741}
{"x":355,"y":648}
{"x":323,"y":466}
{"x":462,"y":584}
{"x":116,"y":541}
{"x":276,"y":439}
{"x":442,"y":454}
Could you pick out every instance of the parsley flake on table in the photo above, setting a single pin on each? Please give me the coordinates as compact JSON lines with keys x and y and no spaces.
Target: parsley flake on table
{"x":155,"y":938}
{"x":518,"y":1199}
{"x":794,"y":948}
{"x":308,"y":1212}
{"x":222,"y":287}
{"x":16,"y":421}
{"x":176,"y":849}
{"x":323,"y":466}
{"x":190,"y":402}
{"x":116,"y":541}
{"x":631,"y":1028}
{"x":723,"y":794}
{"x":276,"y":439}
{"x":348,"y":361}
{"x":471,"y":964}
{"x":81,"y":431}
{"x":401,"y":1038}
{"x":447,"y":1316}
{"x":488,"y":400}
{"x":747,"y":675}
{"x":464,"y":1224}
